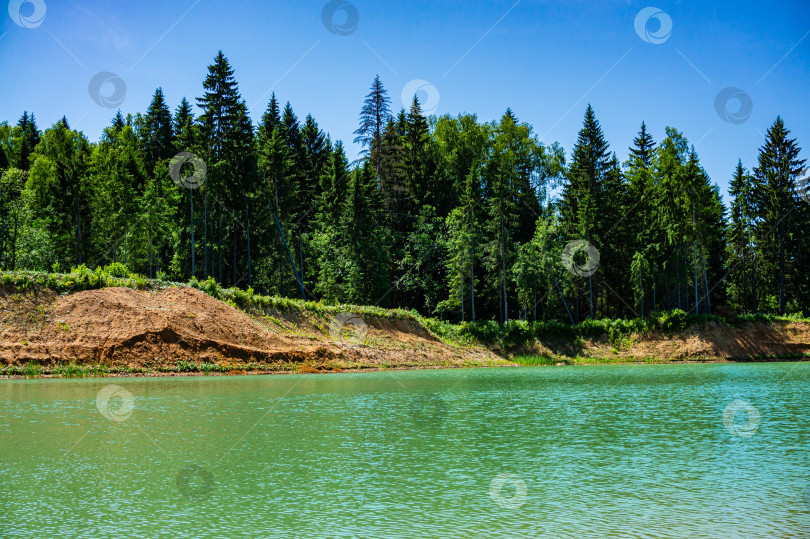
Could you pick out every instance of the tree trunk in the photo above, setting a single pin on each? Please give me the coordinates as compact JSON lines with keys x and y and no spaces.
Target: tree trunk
{"x":705,"y":278}
{"x":14,"y":242}
{"x":247,"y":225}
{"x":678,"y":280}
{"x":697,"y":300}
{"x":205,"y":234}
{"x":503,"y":270}
{"x":150,"y":247}
{"x":754,"y":298}
{"x":300,"y":255}
{"x":219,"y":252}
{"x":191,"y":198}
{"x":472,"y":268}
{"x":781,"y":266}
{"x":2,"y":242}
{"x":461,"y":275}
{"x":78,"y":231}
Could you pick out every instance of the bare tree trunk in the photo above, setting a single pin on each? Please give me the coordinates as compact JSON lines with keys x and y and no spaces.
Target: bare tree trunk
{"x":205,"y":233}
{"x":247,"y":225}
{"x":461,"y":275}
{"x":705,"y":278}
{"x":782,"y":266}
{"x":14,"y":242}
{"x":2,"y":242}
{"x":78,"y":231}
{"x":472,"y":268}
{"x":150,"y":246}
{"x":191,"y":198}
{"x":697,"y":300}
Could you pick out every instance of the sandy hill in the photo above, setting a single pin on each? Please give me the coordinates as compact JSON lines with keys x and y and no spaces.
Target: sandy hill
{"x":148,"y":329}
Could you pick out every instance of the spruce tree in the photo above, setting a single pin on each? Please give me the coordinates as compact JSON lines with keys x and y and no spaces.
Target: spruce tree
{"x":25,"y":137}
{"x":156,"y":132}
{"x":645,"y":239}
{"x":590,"y":162}
{"x":227,"y":137}
{"x":775,"y":198}
{"x":374,"y":117}
{"x":742,"y":263}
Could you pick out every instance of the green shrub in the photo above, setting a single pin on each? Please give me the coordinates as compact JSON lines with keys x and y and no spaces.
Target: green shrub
{"x":672,"y":321}
{"x":116,"y":269}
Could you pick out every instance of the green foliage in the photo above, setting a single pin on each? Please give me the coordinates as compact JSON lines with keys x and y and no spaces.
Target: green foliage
{"x":116,"y":269}
{"x":673,"y":321}
{"x":448,"y":216}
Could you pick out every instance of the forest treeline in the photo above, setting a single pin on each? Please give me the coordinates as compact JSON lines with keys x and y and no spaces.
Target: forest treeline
{"x":446,"y":215}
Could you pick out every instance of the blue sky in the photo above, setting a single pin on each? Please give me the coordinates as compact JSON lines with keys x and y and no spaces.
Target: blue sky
{"x":546,"y":60}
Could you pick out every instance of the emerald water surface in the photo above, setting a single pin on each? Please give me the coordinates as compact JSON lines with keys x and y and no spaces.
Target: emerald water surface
{"x":632,"y":451}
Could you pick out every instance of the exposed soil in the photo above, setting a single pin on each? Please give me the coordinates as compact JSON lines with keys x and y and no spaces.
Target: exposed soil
{"x":705,"y":342}
{"x":754,"y":340}
{"x":155,"y":331}
{"x":121,"y":327}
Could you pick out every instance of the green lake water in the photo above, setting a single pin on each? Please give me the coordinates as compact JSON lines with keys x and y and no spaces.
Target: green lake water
{"x":606,"y":451}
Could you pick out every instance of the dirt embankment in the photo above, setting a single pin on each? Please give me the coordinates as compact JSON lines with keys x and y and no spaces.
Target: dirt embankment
{"x":170,"y":329}
{"x":709,"y":341}
{"x":124,"y":328}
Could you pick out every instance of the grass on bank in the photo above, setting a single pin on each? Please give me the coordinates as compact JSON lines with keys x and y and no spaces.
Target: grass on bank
{"x":509,"y":336}
{"x":552,"y":360}
{"x":72,"y":370}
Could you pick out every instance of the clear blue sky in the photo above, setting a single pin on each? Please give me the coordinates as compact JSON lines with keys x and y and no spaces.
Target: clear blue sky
{"x":545,"y":59}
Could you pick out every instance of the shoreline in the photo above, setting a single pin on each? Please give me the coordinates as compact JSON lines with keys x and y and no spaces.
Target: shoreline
{"x":179,"y":330}
{"x":157,"y":373}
